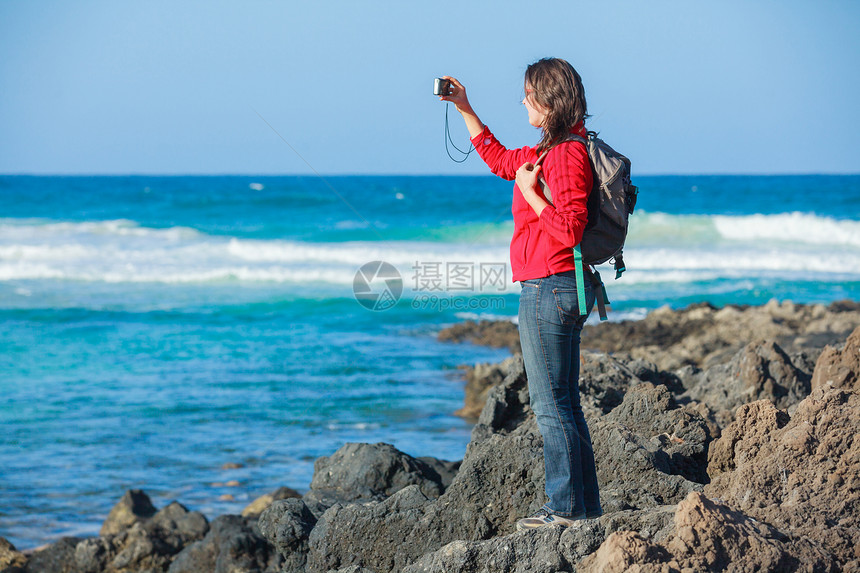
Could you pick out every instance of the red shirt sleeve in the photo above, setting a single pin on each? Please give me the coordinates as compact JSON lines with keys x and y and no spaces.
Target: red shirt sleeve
{"x":501,"y":161}
{"x":568,"y":174}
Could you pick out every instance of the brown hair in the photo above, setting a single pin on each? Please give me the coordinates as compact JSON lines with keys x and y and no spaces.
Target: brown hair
{"x":558,"y":89}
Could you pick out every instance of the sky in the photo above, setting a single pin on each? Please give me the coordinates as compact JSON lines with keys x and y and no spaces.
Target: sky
{"x":345,"y":87}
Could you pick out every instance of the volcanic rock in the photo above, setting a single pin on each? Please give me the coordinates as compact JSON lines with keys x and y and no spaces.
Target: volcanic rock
{"x":287,"y":524}
{"x":551,"y":549}
{"x":372,"y":471}
{"x":148,"y":544}
{"x":679,"y":431}
{"x":57,"y":557}
{"x":132,"y":507}
{"x":233,"y":544}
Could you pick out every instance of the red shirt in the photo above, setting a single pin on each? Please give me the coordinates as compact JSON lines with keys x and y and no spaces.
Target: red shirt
{"x":542,"y":246}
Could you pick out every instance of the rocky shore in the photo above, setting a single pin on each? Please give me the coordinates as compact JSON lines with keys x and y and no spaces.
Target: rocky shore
{"x":726,"y":439}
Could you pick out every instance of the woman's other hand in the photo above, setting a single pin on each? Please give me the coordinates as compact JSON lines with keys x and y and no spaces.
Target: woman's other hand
{"x":527,"y":178}
{"x":527,"y":183}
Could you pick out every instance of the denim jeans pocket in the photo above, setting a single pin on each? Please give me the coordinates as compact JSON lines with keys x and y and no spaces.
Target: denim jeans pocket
{"x":567,"y":303}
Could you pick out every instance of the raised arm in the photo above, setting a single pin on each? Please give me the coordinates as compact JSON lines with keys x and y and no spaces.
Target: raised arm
{"x":501,"y":161}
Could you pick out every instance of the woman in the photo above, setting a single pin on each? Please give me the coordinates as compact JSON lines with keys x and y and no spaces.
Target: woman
{"x":542,"y":260}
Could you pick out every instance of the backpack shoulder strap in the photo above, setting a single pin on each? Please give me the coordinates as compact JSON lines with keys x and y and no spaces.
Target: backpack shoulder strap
{"x":547,"y":192}
{"x":570,"y":137}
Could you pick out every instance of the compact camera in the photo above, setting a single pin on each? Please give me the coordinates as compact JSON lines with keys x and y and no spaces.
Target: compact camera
{"x":441,"y":87}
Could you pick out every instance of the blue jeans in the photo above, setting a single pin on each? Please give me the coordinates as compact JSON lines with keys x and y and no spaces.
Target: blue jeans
{"x":550,"y":328}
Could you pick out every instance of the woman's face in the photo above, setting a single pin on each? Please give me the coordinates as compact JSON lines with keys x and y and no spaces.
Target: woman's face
{"x":537,"y":114}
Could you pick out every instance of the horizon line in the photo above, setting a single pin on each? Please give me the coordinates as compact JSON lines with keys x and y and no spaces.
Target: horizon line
{"x":310,"y":174}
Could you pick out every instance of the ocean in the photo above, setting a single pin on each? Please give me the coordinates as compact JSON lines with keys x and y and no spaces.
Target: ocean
{"x":155,"y":329}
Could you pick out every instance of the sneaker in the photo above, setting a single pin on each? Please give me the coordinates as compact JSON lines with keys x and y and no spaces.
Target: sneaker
{"x":543,"y":518}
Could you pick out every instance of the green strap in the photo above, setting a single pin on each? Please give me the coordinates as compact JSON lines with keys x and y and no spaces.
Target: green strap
{"x":580,"y":284}
{"x":602,"y":299}
{"x":619,"y":265}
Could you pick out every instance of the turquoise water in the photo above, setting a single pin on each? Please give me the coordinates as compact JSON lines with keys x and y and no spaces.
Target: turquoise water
{"x":156,"y":328}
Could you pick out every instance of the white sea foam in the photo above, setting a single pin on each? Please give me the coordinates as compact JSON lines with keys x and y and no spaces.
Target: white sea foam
{"x":792,"y":227}
{"x":787,"y":228}
{"x":123,"y":251}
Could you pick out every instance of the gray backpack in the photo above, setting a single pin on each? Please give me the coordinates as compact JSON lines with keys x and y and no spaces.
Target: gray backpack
{"x":610,"y":203}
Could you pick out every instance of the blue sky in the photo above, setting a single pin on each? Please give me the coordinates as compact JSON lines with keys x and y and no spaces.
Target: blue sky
{"x":175,"y":87}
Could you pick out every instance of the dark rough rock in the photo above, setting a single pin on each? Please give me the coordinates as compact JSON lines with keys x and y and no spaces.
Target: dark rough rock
{"x":233,"y":545}
{"x":767,"y":372}
{"x":498,"y":481}
{"x":148,"y":545}
{"x":679,"y":431}
{"x":840,"y":368}
{"x":152,"y":544}
{"x":134,"y":506}
{"x":649,"y":372}
{"x":372,"y":471}
{"x":654,"y":523}
{"x":799,"y":474}
{"x":527,"y":552}
{"x":603,"y":380}
{"x":541,"y":550}
{"x":634,"y":472}
{"x":444,"y":469}
{"x":709,"y":536}
{"x":497,"y":334}
{"x":287,"y":524}
{"x":318,"y":502}
{"x":58,"y":557}
{"x":259,"y":505}
{"x":373,"y":535}
{"x":11,"y":560}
